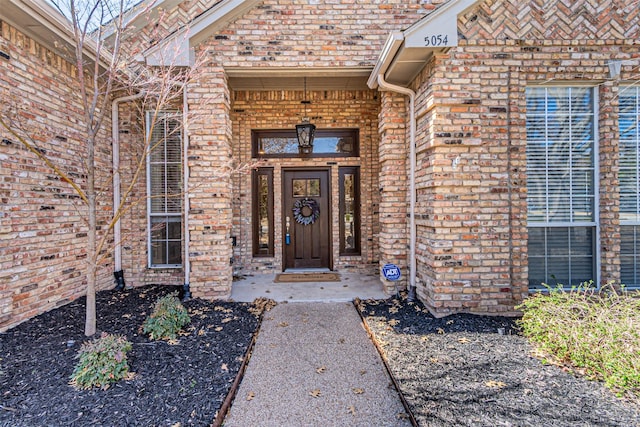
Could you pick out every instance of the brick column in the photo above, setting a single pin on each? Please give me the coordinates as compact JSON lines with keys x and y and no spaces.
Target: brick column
{"x":210,"y":214}
{"x":609,"y":151}
{"x":393,"y":183}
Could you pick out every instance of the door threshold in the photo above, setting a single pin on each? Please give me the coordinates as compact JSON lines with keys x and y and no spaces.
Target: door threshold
{"x":307,"y":270}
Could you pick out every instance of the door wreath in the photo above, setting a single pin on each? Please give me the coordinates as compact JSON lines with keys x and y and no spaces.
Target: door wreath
{"x":306,"y":211}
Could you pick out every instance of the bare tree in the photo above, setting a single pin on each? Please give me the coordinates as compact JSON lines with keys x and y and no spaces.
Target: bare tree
{"x":105,"y":67}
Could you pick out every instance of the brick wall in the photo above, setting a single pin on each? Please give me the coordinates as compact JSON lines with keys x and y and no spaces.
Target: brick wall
{"x":282,"y":110}
{"x":472,"y":236}
{"x":42,"y":221}
{"x":393,"y":155}
{"x":210,"y":192}
{"x":471,"y":175}
{"x":339,"y":33}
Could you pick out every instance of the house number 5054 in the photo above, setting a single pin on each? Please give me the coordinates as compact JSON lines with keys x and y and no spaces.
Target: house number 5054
{"x":436,"y":40}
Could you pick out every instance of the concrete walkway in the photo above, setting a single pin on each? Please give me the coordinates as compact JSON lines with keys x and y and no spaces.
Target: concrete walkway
{"x":350,"y":286}
{"x":314,"y":365}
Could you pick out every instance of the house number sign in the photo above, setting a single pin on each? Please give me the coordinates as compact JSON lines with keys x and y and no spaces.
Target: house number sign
{"x":436,"y":40}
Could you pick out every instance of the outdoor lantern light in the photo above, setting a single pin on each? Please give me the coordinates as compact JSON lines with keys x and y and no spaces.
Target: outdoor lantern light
{"x":305,"y":130}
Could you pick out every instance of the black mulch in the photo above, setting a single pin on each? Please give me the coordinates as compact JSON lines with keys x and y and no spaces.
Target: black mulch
{"x":460,"y":371}
{"x":185,"y":382}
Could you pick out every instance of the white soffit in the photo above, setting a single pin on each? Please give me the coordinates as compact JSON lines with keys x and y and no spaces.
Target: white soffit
{"x":177,"y":48}
{"x":40,"y":21}
{"x":287,"y":78}
{"x":405,"y":52}
{"x":45,"y":23}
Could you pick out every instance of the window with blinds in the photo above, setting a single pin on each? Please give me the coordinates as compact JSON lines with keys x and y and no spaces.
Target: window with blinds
{"x":561,"y":176}
{"x":629,"y":177}
{"x":164,"y":189}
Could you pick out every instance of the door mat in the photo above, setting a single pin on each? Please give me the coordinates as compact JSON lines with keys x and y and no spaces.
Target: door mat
{"x":306,"y":277}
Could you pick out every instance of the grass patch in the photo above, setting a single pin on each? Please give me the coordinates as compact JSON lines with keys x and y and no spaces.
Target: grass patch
{"x":597,"y":331}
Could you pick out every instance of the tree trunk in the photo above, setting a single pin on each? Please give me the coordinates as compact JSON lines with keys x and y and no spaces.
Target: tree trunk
{"x":92,"y":256}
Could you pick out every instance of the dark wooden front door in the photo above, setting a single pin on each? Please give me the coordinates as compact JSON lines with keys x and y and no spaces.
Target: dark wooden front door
{"x":305,"y":215}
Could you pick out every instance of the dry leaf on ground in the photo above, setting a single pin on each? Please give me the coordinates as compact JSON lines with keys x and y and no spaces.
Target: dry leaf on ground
{"x":495,"y":384}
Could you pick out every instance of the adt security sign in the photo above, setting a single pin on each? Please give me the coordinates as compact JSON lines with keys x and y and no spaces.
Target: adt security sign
{"x":391,"y":272}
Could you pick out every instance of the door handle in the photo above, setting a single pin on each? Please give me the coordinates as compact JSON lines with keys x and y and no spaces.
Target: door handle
{"x":287,"y":236}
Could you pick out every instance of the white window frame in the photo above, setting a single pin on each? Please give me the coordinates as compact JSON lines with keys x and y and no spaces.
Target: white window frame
{"x":636,"y":222}
{"x":595,"y":224}
{"x":150,"y":214}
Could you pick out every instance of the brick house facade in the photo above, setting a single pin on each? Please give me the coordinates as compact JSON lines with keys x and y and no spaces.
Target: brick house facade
{"x":481,"y":146}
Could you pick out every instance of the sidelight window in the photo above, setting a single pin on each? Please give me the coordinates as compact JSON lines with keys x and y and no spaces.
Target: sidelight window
{"x":349,"y":210}
{"x":263,"y":212}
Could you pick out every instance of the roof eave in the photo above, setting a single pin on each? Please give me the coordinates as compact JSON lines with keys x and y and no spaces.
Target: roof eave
{"x":389,"y":50}
{"x":177,"y":48}
{"x":46,"y":25}
{"x":405,"y":52}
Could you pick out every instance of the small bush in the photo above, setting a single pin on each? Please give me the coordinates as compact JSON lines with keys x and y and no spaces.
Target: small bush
{"x":102,"y":361}
{"x":596,"y":331}
{"x":168,"y":317}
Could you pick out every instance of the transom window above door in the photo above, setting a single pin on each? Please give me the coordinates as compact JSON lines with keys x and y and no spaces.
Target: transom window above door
{"x":326,"y":143}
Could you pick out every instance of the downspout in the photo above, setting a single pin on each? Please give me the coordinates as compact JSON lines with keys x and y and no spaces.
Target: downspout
{"x":118,"y":273}
{"x":412,"y":179}
{"x":185,"y":179}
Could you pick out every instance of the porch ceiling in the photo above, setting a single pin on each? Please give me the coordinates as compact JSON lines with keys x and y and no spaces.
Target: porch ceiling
{"x":294,"y":79}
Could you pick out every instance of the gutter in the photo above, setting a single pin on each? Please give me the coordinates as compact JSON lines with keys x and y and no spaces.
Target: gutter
{"x":412,"y":178}
{"x":118,"y":274}
{"x":389,"y":50}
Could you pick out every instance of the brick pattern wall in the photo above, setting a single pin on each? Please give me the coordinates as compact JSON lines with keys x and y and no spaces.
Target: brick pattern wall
{"x":341,"y":33}
{"x":42,"y":225}
{"x":472,"y":236}
{"x":282,"y":110}
{"x":393,"y":155}
{"x":210,"y":192}
{"x":471,"y":175}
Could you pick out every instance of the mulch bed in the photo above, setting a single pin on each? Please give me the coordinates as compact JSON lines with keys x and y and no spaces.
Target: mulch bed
{"x":459,"y":371}
{"x":184,"y":382}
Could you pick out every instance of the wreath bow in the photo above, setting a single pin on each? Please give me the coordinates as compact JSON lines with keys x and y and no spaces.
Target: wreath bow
{"x":306,"y":211}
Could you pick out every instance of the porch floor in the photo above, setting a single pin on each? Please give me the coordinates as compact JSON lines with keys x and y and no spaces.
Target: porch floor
{"x":350,"y":286}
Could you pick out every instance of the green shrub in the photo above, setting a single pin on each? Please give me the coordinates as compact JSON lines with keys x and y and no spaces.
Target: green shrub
{"x":595,"y":330}
{"x":168,"y":317}
{"x":102,"y":361}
